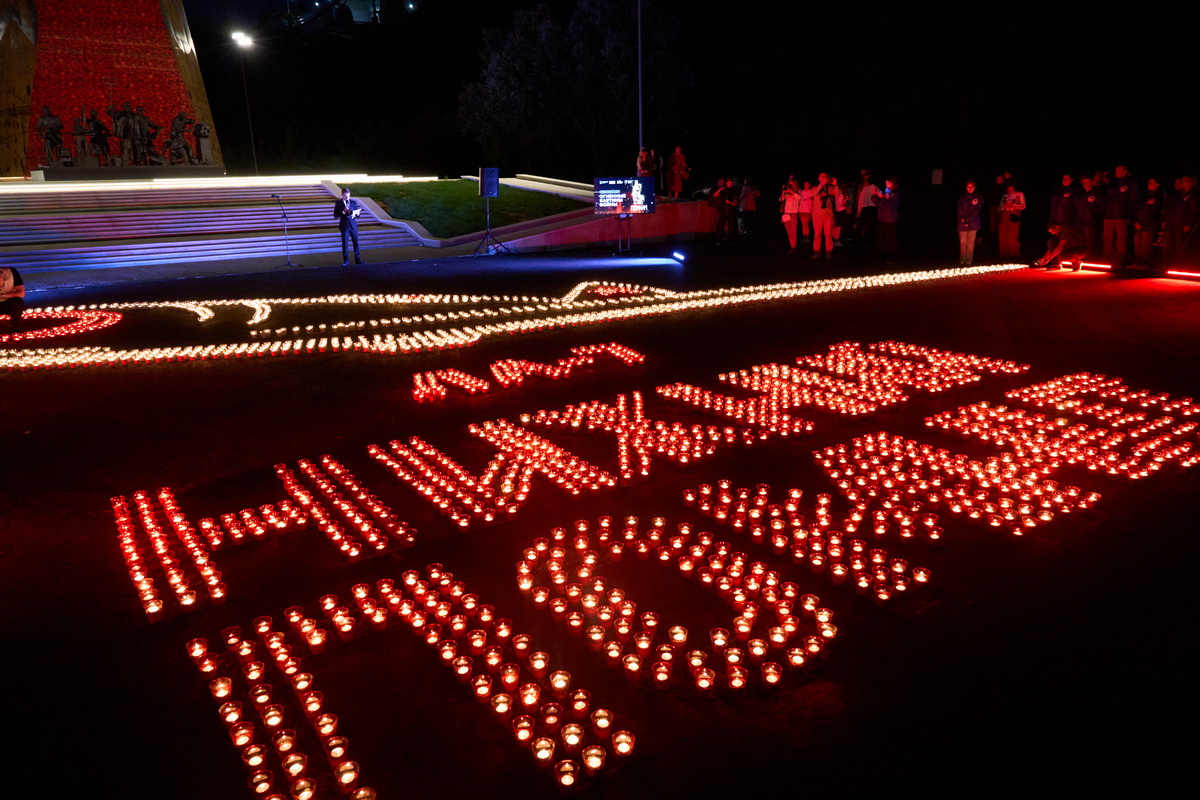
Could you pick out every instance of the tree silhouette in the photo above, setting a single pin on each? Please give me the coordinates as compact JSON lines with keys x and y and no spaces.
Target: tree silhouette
{"x":561,"y":96}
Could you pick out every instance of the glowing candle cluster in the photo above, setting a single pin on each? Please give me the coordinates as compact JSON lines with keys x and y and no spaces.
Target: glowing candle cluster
{"x":769,"y":412}
{"x":827,"y":546}
{"x":859,"y":381}
{"x":765,"y":635}
{"x":263,"y":697}
{"x":639,"y":438}
{"x":1131,"y":442}
{"x":506,"y":672}
{"x":510,"y":372}
{"x":569,"y":472}
{"x":526,"y":315}
{"x":546,"y":710}
{"x":910,"y":481}
{"x":466,"y":500}
{"x":84,"y":322}
{"x":608,"y":289}
{"x":367,"y":522}
{"x":500,"y":491}
{"x":363,"y":513}
{"x":173,"y":570}
{"x":250,"y":524}
{"x":1070,"y":392}
{"x":60,"y":358}
{"x":1137,"y":452}
{"x":432,"y":385}
{"x":513,"y":371}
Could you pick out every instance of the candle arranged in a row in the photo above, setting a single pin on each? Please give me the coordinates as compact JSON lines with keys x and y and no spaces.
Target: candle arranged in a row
{"x":894,"y":473}
{"x":639,"y":438}
{"x":821,"y":542}
{"x":857,"y":380}
{"x":263,"y":695}
{"x":84,"y":321}
{"x":547,"y":712}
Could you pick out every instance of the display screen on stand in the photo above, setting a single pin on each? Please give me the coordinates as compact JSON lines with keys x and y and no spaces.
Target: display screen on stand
{"x":624,"y":195}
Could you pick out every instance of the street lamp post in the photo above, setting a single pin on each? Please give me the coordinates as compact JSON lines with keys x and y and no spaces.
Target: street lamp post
{"x":244,"y":41}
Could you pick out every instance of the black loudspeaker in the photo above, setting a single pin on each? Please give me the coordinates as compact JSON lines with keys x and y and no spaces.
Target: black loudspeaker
{"x":489,"y":181}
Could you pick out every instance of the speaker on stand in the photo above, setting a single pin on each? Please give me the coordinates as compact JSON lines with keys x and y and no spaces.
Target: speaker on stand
{"x":489,"y":187}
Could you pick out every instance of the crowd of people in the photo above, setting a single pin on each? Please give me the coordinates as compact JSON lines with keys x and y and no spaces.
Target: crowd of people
{"x":1109,"y":210}
{"x":1121,"y":221}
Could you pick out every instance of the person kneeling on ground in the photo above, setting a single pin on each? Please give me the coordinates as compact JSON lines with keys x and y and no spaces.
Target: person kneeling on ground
{"x":1066,"y":244}
{"x":12,"y":297}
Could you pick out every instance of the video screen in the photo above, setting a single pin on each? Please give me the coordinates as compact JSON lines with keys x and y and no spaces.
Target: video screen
{"x":624,"y":195}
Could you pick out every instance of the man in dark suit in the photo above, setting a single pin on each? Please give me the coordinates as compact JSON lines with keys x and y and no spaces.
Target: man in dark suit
{"x":347,"y":210}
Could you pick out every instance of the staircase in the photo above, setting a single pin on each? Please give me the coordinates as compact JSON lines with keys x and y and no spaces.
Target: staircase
{"x":51,"y":228}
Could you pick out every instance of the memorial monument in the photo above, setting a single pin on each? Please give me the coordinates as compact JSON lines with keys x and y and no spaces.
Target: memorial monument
{"x":95,"y":89}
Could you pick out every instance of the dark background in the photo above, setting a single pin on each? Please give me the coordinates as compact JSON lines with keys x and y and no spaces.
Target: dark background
{"x":898,"y":89}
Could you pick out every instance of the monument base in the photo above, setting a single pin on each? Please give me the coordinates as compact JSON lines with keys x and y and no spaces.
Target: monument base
{"x":126,"y":173}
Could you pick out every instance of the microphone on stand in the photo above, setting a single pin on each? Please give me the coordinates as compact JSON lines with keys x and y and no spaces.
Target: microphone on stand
{"x":275,"y":196}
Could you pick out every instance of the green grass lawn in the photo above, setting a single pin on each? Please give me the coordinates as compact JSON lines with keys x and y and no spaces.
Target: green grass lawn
{"x":453,"y":207}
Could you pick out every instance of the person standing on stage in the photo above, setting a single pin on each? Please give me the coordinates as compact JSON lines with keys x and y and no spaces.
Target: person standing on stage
{"x":677,"y":171}
{"x":346,"y":210}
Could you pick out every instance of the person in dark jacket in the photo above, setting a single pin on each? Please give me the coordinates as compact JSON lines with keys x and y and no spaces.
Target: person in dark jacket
{"x":1089,"y":213}
{"x":888,"y":216}
{"x":1181,"y":214}
{"x":1147,"y":223}
{"x":970,"y":218}
{"x":1063,"y":201}
{"x":346,"y":210}
{"x":1120,"y":201}
{"x":1066,"y":245}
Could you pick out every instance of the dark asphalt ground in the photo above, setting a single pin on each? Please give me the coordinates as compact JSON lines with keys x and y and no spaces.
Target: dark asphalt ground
{"x":1060,"y":661}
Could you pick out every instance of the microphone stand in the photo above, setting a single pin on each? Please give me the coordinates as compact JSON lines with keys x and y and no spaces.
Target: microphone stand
{"x":286,"y":244}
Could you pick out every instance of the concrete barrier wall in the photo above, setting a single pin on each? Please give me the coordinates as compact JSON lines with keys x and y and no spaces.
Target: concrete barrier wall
{"x":671,"y":222}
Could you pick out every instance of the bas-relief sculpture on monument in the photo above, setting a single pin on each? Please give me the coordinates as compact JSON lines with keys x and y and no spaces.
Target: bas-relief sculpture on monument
{"x":138,"y":92}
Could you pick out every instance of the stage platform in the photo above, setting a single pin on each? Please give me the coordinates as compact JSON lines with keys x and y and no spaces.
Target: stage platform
{"x":1046,"y":651}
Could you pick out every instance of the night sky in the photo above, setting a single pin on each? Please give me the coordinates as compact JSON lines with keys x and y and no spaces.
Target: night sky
{"x":895,"y":88}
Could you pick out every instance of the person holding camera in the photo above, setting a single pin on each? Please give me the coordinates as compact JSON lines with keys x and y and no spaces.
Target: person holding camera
{"x":825,"y":196}
{"x":887,"y":203}
{"x":789,"y":208}
{"x":1011,"y":206}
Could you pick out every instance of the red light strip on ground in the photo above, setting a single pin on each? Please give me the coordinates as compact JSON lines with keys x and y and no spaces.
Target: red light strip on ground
{"x":1088,"y":265}
{"x":1178,"y":273}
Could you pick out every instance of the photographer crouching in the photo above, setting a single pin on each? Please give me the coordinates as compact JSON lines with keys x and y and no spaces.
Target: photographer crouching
{"x":12,"y":298}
